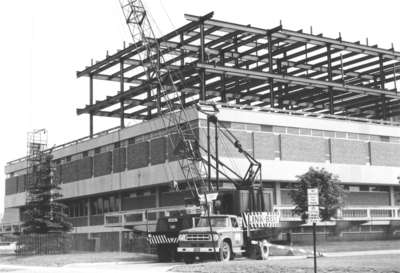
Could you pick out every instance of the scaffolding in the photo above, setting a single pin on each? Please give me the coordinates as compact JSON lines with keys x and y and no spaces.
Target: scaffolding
{"x":36,"y":151}
{"x":218,"y":61}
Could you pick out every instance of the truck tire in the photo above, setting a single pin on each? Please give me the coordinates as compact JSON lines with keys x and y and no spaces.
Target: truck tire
{"x":188,"y":258}
{"x":225,"y":252}
{"x":264,"y":249}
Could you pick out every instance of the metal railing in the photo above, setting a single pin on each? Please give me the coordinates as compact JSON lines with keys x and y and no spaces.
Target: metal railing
{"x":10,"y":228}
{"x":349,"y":213}
{"x":141,"y":216}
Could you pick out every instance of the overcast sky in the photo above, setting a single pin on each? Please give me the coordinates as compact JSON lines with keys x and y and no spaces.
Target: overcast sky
{"x":44,"y":42}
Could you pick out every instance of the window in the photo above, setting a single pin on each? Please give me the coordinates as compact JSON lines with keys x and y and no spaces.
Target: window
{"x":112,"y":203}
{"x":85,"y":154}
{"x":293,"y":131}
{"x":117,"y":145}
{"x":106,"y":205}
{"x":379,"y":188}
{"x":215,"y":222}
{"x":384,"y":138}
{"x":234,"y":222}
{"x":266,"y":128}
{"x":364,"y":188}
{"x":97,"y":150}
{"x":100,"y":205}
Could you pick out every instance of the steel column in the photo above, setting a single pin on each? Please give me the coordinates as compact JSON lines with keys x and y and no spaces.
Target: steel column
{"x":223,"y":87}
{"x":202,"y":60}
{"x":91,"y":103}
{"x":121,"y":84}
{"x":182,"y":64}
{"x":270,"y":64}
{"x":330,"y":90}
{"x":382,"y":80}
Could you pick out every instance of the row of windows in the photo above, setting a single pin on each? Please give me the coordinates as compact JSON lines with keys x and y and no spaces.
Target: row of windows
{"x":350,"y":188}
{"x":305,"y":132}
{"x":99,"y":205}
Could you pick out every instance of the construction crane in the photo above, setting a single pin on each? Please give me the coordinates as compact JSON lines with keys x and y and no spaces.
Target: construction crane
{"x":173,"y":114}
{"x":194,"y":167}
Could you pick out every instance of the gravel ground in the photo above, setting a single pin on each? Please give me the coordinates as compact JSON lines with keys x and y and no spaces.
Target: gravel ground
{"x":362,"y":264}
{"x":79,"y":257}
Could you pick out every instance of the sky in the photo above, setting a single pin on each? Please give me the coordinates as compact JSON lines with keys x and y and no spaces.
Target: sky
{"x":44,"y":42}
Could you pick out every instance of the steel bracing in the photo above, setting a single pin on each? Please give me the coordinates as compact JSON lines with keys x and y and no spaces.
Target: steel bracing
{"x":212,"y":60}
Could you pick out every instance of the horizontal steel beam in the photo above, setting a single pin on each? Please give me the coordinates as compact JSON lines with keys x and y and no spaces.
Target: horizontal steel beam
{"x":295,"y":80}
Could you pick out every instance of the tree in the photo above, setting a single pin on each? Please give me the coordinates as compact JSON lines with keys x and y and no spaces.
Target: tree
{"x":331,"y":194}
{"x":43,"y":214}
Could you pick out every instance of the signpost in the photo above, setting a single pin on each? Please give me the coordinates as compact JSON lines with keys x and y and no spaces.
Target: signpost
{"x":313,"y":217}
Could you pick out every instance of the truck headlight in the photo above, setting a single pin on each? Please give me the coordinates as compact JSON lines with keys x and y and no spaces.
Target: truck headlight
{"x":215,"y":237}
{"x":182,"y":237}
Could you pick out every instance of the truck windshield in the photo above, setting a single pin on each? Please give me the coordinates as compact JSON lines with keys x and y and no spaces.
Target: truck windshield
{"x":215,"y":222}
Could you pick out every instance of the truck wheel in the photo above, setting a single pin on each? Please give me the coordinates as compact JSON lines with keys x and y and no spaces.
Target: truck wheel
{"x":188,"y":258}
{"x":264,"y":247}
{"x":225,"y":252}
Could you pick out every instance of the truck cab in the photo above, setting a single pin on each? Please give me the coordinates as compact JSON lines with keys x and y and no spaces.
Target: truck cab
{"x":219,"y":236}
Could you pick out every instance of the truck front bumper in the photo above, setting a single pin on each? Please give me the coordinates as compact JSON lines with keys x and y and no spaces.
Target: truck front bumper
{"x":198,"y":249}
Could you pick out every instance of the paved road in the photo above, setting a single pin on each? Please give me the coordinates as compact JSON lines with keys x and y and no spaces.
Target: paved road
{"x":122,"y":267}
{"x":153,"y":267}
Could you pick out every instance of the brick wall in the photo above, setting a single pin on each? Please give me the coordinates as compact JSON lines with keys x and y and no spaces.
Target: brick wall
{"x":138,"y":155}
{"x":300,"y":148}
{"x":158,"y":150}
{"x":21,"y":182}
{"x":119,"y":160}
{"x":102,"y":164}
{"x":266,"y":146}
{"x":226,"y":148}
{"x":349,"y":152}
{"x":385,"y":154}
{"x":69,"y":172}
{"x":85,"y":168}
{"x":11,"y":185}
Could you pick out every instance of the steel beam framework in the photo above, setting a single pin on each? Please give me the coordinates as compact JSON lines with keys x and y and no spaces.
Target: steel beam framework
{"x":213,"y":60}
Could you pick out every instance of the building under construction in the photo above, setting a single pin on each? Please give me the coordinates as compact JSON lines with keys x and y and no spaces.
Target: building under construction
{"x":294,"y":100}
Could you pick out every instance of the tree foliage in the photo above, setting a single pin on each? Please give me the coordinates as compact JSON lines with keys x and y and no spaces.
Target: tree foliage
{"x":43,"y":214}
{"x":331,"y":194}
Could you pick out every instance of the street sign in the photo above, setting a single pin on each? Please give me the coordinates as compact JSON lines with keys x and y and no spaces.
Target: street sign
{"x":312,"y":197}
{"x":313,"y":205}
